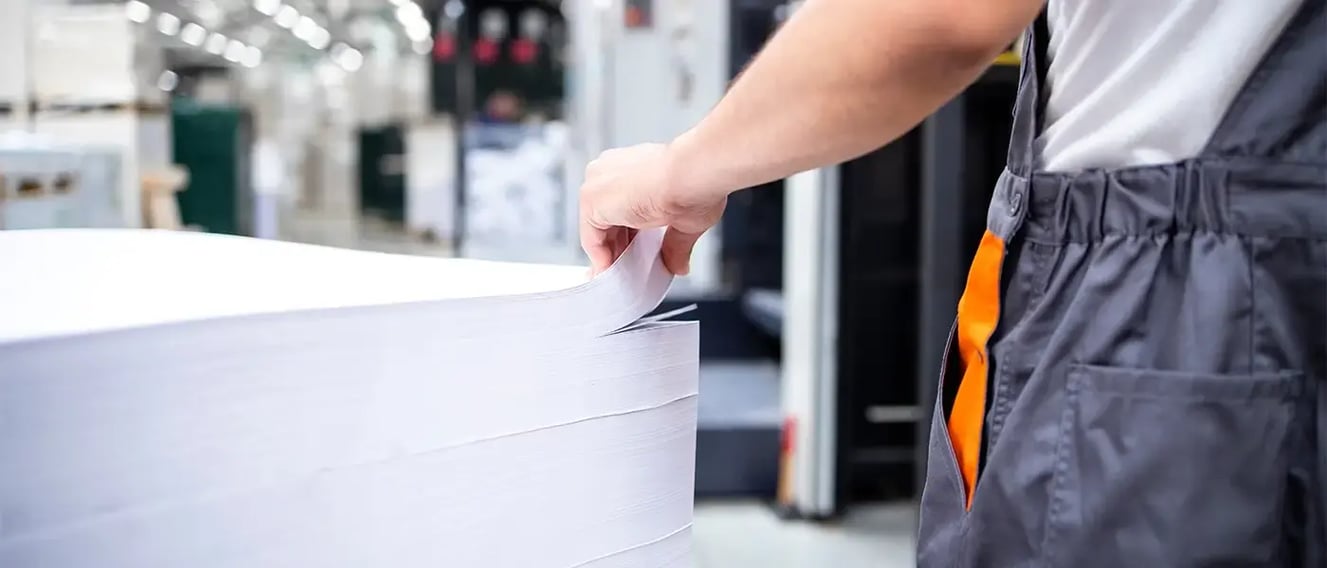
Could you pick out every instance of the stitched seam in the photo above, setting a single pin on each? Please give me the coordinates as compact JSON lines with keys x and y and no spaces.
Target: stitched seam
{"x":943,"y":427}
{"x":1061,"y":468}
{"x":1200,"y":161}
{"x":997,"y":411}
{"x":1289,"y":37}
{"x":1278,"y":397}
{"x":1255,"y":159}
{"x":1253,"y":303}
{"x":1036,"y":280}
{"x":1238,"y":108}
{"x":1042,"y":280}
{"x":1194,"y":232}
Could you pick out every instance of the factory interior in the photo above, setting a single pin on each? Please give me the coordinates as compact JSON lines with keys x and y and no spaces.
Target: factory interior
{"x":461,"y":129}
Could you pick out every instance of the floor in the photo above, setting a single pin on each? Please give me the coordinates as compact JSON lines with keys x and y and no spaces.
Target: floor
{"x":749,"y":535}
{"x":345,"y":231}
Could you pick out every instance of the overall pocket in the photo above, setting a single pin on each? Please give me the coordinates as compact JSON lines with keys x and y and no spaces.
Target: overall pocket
{"x":1160,"y":468}
{"x":942,"y":509}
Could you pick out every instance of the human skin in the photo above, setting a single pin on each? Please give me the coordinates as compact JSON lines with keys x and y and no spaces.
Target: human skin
{"x":839,"y":79}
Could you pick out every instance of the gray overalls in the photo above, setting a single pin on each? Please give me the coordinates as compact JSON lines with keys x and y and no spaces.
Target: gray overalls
{"x":1150,"y":390}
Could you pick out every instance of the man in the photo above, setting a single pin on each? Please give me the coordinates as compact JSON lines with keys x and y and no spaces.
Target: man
{"x":1141,"y":349}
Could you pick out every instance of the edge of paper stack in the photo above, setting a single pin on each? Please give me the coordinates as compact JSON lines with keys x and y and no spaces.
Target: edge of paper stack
{"x":173,"y":399}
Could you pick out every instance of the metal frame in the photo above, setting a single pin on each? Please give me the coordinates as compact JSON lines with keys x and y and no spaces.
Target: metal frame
{"x":465,"y":102}
{"x":589,"y":103}
{"x":810,"y":344}
{"x":21,"y":109}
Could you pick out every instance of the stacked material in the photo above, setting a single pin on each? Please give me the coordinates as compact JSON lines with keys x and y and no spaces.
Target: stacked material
{"x":84,"y":53}
{"x":98,"y":79}
{"x":176,"y":399}
{"x":15,"y":28}
{"x":45,"y":184}
{"x":141,"y":138}
{"x":516,"y":203}
{"x":430,"y":201}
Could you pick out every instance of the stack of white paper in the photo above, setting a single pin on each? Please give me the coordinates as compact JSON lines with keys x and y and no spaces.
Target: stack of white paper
{"x":188,"y":400}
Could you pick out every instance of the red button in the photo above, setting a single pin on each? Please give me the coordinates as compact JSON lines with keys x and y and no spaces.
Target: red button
{"x":444,"y":48}
{"x":486,"y":51}
{"x":524,"y":51}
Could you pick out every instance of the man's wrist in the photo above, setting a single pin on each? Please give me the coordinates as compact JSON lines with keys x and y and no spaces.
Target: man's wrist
{"x":691,"y":174}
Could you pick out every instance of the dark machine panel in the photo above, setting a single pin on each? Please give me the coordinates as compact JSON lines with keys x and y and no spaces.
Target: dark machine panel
{"x":884,"y":280}
{"x":382,"y":172}
{"x":878,"y":289}
{"x":752,"y":229}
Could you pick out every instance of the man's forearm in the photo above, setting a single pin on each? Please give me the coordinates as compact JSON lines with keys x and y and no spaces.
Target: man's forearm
{"x":840,"y":79}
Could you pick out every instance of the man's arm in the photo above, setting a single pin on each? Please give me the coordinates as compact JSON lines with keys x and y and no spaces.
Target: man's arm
{"x":842,"y":78}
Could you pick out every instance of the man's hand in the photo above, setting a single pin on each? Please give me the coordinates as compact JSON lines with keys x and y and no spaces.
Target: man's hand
{"x":839,"y":79}
{"x":637,"y":188}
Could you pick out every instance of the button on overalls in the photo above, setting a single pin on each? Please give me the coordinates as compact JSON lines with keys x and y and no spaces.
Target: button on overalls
{"x":1136,"y":376}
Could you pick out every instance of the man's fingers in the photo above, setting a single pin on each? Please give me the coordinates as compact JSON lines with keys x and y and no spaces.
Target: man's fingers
{"x":597,"y":246}
{"x":677,"y":247}
{"x":618,"y":236}
{"x":604,"y":246}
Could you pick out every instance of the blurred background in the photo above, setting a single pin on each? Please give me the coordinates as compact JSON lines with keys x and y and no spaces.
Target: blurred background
{"x":461,"y":128}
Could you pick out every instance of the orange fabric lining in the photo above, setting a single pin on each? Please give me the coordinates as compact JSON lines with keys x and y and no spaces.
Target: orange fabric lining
{"x":978,"y":312}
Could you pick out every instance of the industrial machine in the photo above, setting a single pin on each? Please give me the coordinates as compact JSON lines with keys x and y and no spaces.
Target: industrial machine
{"x":382,"y":171}
{"x":498,"y":72}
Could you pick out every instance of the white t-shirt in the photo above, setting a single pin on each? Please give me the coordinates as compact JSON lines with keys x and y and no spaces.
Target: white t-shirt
{"x":1136,"y":82}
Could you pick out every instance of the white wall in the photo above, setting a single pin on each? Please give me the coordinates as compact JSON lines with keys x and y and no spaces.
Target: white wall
{"x":648,"y":68}
{"x":627,"y":87}
{"x":13,"y":51}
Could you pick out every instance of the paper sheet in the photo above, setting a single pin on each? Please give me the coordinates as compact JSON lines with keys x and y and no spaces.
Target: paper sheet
{"x":172,"y":399}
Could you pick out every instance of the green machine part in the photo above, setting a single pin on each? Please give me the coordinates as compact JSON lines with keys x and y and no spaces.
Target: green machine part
{"x":382,"y":176}
{"x":213,"y":143}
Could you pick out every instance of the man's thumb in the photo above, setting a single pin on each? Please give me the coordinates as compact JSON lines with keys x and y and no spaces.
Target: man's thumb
{"x":677,"y":247}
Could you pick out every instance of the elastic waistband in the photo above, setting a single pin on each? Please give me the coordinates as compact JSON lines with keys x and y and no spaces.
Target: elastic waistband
{"x":1255,"y":198}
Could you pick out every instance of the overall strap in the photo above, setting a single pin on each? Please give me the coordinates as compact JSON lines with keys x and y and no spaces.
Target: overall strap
{"x":1281,"y":111}
{"x":1029,"y":104}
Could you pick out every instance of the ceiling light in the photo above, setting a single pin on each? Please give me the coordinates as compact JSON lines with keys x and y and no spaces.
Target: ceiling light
{"x":493,"y":24}
{"x":207,"y":11}
{"x":193,"y":34}
{"x":252,"y":57}
{"x":418,"y":30}
{"x":347,"y":57}
{"x":286,"y":17}
{"x":305,"y":28}
{"x":137,"y":11}
{"x":168,"y":24}
{"x":235,"y":50}
{"x":320,"y":39}
{"x":267,"y":7}
{"x":454,"y":9}
{"x":409,"y":11}
{"x":168,"y":81}
{"x":216,"y":44}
